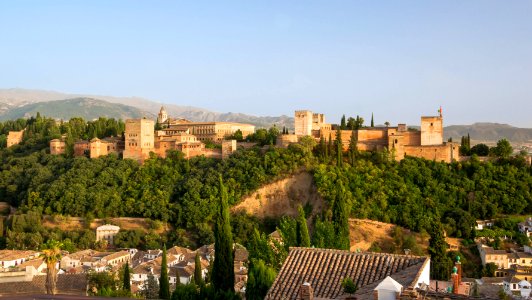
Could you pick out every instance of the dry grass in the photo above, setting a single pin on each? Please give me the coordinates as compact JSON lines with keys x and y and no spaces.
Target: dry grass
{"x":77,"y":223}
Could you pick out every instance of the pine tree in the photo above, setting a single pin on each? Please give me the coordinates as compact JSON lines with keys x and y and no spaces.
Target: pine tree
{"x":164,"y":284}
{"x":223,"y":273}
{"x":340,"y":220}
{"x":440,"y":264}
{"x":127,"y":278}
{"x":343,"y":124}
{"x":372,"y":123}
{"x":303,"y":239}
{"x":198,"y":279}
{"x":339,"y":148}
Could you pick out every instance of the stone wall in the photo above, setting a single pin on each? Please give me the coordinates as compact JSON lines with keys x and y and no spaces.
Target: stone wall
{"x":14,"y":138}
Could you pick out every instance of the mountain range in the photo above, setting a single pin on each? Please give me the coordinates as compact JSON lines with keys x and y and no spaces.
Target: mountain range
{"x":22,"y":103}
{"x":16,"y":103}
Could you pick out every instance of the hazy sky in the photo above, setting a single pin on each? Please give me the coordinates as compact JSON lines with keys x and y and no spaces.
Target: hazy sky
{"x":398,"y":59}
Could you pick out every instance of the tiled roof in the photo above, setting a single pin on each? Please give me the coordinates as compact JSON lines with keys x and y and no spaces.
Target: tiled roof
{"x":176,"y":250}
{"x":8,"y":255}
{"x":116,"y":255}
{"x":72,"y":284}
{"x":325,"y":269}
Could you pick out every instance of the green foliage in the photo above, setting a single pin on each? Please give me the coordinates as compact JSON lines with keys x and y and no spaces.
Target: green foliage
{"x":503,"y":149}
{"x":260,"y":279}
{"x":151,"y":288}
{"x":223,"y":277}
{"x":440,"y":264}
{"x":126,"y":281}
{"x":303,"y":239}
{"x":186,"y":292}
{"x":349,"y":285}
{"x":480,"y":150}
{"x":372,"y":122}
{"x":198,"y":278}
{"x":489,"y":270}
{"x":164,"y":283}
{"x":324,"y":235}
{"x":340,"y":217}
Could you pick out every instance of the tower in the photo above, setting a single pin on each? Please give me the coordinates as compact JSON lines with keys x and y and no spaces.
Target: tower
{"x":303,"y":122}
{"x":162,"y":116}
{"x":139,"y":139}
{"x":432,"y":130}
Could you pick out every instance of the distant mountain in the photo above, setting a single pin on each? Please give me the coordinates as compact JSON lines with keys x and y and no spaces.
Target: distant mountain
{"x":489,"y":132}
{"x":13,"y":98}
{"x":87,"y":108}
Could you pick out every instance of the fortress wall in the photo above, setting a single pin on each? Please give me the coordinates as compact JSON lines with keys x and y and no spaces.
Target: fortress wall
{"x":446,"y":152}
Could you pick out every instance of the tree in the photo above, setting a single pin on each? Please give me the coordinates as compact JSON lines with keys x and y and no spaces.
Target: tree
{"x":260,"y":280}
{"x":223,"y":274}
{"x":349,"y":286}
{"x":343,"y":124}
{"x":151,"y":288}
{"x":164,"y":284}
{"x":372,"y":123}
{"x":198,"y":278}
{"x":51,"y":254}
{"x":480,"y":150}
{"x":339,"y":148}
{"x":387,"y":124}
{"x":303,"y":239}
{"x":503,"y":149}
{"x":127,"y":278}
{"x":340,"y":216}
{"x":440,"y":264}
{"x":353,"y":150}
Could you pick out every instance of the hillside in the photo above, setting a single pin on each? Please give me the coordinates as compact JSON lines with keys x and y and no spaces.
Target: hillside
{"x":87,"y":108}
{"x":488,"y":132}
{"x":282,"y":197}
{"x":11,"y":99}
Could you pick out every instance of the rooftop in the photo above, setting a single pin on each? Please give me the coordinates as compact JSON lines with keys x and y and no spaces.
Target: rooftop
{"x":324,"y":270}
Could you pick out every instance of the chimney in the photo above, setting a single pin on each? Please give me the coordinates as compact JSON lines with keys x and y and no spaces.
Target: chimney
{"x":306,"y":292}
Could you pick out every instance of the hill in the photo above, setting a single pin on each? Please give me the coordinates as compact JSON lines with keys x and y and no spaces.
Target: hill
{"x":87,"y":108}
{"x":488,"y":132}
{"x":13,"y":98}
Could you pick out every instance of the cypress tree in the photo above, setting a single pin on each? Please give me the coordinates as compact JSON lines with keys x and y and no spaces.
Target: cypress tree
{"x":223,"y":273}
{"x":164,"y":284}
{"x":303,"y":238}
{"x":339,"y":148}
{"x":323,"y":149}
{"x":353,"y":151}
{"x":343,"y":125}
{"x":127,"y":278}
{"x":440,"y":264}
{"x":372,"y":123}
{"x":329,"y":146}
{"x":340,"y":216}
{"x":198,"y":279}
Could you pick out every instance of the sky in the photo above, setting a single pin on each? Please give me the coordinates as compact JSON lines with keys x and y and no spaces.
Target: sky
{"x":396,"y":59}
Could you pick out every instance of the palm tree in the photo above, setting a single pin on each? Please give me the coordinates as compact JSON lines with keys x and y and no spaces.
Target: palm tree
{"x":51,"y":254}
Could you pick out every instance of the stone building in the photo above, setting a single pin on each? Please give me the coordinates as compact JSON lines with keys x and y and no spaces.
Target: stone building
{"x":400,"y":141}
{"x":106,"y":232}
{"x":162,"y":116}
{"x":212,"y":131}
{"x":139,"y":139}
{"x":57,"y":147}
{"x":14,"y":138}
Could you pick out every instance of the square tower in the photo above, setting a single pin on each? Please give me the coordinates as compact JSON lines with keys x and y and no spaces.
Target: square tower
{"x":139,"y":141}
{"x":303,"y":122}
{"x":431,"y":131}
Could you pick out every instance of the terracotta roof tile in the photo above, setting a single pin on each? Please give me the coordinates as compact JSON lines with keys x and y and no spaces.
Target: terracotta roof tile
{"x":325,"y":269}
{"x":72,"y":284}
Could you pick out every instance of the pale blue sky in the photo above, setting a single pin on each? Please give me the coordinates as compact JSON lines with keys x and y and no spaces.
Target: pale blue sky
{"x":398,"y":59}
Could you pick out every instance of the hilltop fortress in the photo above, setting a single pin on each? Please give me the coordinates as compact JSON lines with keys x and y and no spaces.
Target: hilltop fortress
{"x":400,"y":140}
{"x":141,"y":138}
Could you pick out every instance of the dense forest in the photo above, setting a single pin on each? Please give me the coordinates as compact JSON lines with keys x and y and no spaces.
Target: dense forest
{"x":413,"y":193}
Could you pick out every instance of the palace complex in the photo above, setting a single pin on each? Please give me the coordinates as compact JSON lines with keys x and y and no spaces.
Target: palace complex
{"x":400,"y":140}
{"x":141,"y":139}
